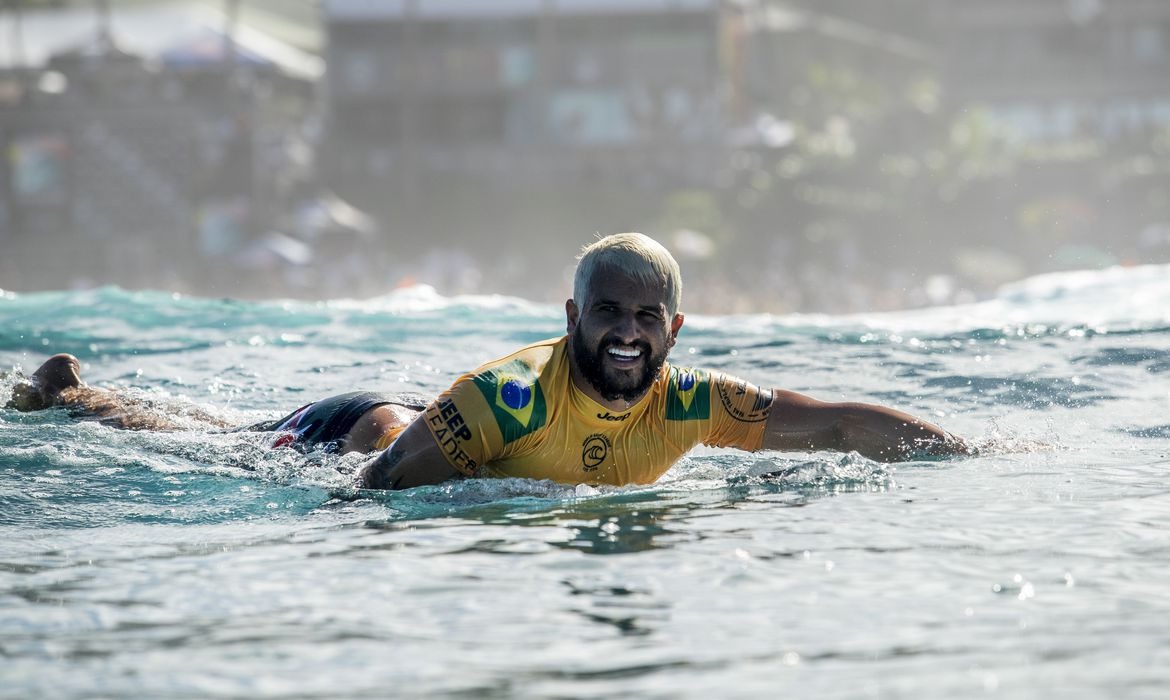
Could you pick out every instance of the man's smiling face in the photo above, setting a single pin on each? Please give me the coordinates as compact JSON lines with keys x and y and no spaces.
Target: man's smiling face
{"x":620,"y":336}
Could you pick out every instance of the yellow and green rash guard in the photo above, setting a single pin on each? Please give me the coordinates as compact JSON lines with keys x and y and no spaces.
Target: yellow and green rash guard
{"x":522,"y":416}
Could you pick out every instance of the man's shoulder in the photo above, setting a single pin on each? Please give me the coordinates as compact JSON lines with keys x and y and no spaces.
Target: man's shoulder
{"x":530,"y":360}
{"x":704,"y":394}
{"x":512,"y":390}
{"x":685,"y":377}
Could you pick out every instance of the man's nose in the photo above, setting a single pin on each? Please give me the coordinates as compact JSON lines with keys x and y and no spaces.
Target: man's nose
{"x":626,"y":328}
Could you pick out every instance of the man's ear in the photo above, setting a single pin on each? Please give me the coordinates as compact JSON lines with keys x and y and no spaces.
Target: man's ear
{"x":676,"y":325}
{"x":572,"y":315}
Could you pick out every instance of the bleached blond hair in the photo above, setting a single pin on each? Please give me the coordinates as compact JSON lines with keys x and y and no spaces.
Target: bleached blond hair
{"x":635,"y":255}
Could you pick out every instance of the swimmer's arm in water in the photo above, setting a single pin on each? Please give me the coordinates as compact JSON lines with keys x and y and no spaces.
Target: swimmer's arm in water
{"x":117,"y":410}
{"x":799,"y":422}
{"x":57,"y":382}
{"x":413,"y":460}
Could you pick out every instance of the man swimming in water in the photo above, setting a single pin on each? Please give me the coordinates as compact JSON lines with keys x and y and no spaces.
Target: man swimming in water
{"x":601,"y":405}
{"x":354,"y":422}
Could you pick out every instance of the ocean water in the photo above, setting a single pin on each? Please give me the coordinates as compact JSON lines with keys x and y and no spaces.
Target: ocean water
{"x":203,"y":565}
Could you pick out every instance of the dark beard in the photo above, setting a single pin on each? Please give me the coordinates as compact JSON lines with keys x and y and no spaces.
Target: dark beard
{"x":592,"y":366}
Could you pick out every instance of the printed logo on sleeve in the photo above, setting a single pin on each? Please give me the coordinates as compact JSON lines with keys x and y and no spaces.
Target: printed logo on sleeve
{"x":688,"y":396}
{"x":745,"y":402}
{"x":515,"y":397}
{"x":451,"y":431}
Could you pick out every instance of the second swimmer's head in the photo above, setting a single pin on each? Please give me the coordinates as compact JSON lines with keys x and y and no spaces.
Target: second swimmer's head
{"x":43,"y":389}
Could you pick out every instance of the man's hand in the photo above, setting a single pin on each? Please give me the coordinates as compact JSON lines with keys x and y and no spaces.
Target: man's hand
{"x":799,"y":422}
{"x":413,"y":460}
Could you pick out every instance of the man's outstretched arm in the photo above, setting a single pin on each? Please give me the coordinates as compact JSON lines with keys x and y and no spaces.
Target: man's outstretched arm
{"x":799,"y":422}
{"x":413,"y":460}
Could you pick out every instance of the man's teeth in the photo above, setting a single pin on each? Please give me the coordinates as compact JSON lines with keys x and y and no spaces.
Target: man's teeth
{"x":625,"y":353}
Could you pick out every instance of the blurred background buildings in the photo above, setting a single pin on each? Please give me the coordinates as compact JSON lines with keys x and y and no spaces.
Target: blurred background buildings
{"x":815,"y":155}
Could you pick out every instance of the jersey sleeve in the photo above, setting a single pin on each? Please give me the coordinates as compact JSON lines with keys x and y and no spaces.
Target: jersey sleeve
{"x":485,"y":412}
{"x":739,"y":413}
{"x":459,"y":420}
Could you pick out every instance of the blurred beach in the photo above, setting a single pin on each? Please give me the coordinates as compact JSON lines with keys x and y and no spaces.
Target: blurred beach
{"x":795,"y":156}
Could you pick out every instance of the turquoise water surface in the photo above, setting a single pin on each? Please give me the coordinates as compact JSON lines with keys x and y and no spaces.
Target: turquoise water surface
{"x":204,"y":565}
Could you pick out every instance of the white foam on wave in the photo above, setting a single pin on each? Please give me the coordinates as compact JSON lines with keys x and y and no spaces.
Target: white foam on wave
{"x":1112,"y":299}
{"x":1116,"y":298}
{"x":423,"y":298}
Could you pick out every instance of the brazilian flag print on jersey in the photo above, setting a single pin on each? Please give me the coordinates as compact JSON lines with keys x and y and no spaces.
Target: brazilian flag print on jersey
{"x":688,"y":397}
{"x":515,"y":397}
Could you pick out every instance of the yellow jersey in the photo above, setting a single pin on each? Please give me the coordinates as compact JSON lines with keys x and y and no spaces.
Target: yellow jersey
{"x":522,"y":416}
